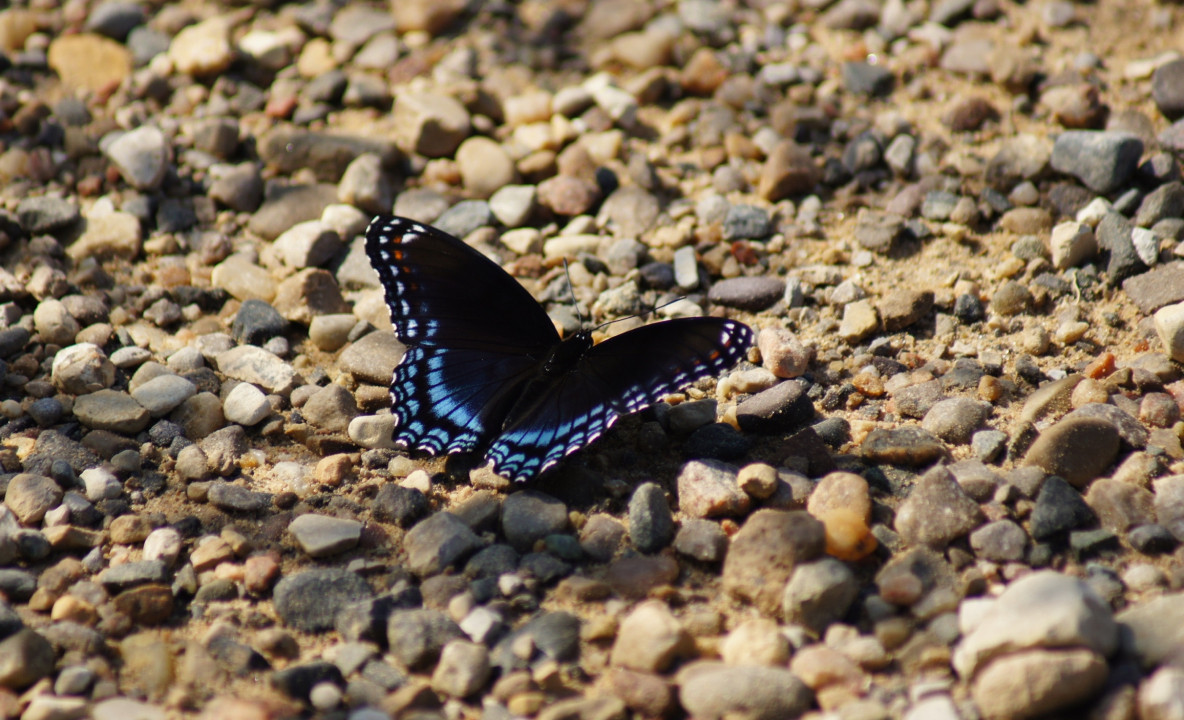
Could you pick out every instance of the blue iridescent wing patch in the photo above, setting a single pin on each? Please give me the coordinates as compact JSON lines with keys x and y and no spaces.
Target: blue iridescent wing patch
{"x":485,"y":370}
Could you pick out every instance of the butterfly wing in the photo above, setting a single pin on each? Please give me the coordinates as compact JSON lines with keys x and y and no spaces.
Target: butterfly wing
{"x":473,"y":335}
{"x":621,"y":375}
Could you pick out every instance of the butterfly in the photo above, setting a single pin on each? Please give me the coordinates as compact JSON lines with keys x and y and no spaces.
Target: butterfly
{"x":485,"y":369}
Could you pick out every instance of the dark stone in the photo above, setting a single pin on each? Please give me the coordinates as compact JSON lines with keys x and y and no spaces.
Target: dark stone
{"x":399,"y":505}
{"x":299,"y":680}
{"x":1058,"y":508}
{"x":257,"y":322}
{"x":717,"y":440}
{"x":783,"y":407}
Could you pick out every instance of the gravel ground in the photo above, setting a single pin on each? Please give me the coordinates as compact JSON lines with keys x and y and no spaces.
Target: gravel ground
{"x":948,"y":482}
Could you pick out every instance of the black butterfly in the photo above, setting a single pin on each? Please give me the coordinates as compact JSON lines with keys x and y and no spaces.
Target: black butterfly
{"x":486,"y":370}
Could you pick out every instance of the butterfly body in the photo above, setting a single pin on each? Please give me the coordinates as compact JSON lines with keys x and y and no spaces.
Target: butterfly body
{"x":485,"y":369}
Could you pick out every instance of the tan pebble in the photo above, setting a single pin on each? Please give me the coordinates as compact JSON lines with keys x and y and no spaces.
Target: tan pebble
{"x":74,"y":609}
{"x":869,"y":384}
{"x":334,"y":469}
{"x":1089,"y":391}
{"x":989,"y":388}
{"x":526,"y":703}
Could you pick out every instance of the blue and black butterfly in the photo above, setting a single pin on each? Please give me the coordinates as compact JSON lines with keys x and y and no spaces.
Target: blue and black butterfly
{"x":485,"y":369}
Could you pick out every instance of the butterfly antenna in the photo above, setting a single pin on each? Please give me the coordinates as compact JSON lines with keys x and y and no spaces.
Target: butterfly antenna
{"x":651,"y":311}
{"x":571,"y":290}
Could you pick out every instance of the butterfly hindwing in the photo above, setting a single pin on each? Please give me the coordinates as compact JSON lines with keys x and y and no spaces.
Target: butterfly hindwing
{"x":450,"y":400}
{"x":621,"y":375}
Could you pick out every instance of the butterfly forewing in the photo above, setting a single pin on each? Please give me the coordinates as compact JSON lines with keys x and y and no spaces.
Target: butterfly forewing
{"x":473,"y":335}
{"x":621,"y":375}
{"x":441,"y":291}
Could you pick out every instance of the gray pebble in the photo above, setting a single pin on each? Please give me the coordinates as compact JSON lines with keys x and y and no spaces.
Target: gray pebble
{"x":141,"y":155}
{"x":747,"y":293}
{"x":131,"y":574}
{"x":437,"y":542}
{"x":819,"y":593}
{"x":111,"y":410}
{"x":464,"y":217}
{"x":163,"y":393}
{"x":955,"y":420}
{"x":46,"y":214}
{"x":529,"y":516}
{"x":399,"y":505}
{"x":513,"y":205}
{"x":310,"y":600}
{"x":322,"y":535}
{"x":1103,"y":161}
{"x":747,"y":222}
{"x":937,"y":511}
{"x":651,"y":525}
{"x":331,"y":408}
{"x":236,"y":498}
{"x":702,"y":540}
{"x":372,"y":358}
{"x":238,"y":187}
{"x":416,"y":637}
{"x":1000,"y":541}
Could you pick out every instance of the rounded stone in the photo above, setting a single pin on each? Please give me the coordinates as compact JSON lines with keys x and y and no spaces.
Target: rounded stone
{"x":1078,"y":449}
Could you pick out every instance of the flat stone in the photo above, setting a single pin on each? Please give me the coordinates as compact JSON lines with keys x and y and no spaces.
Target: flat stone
{"x":908,"y":446}
{"x":111,"y":410}
{"x":373,"y":357}
{"x":323,"y":536}
{"x":1158,"y":287}
{"x":310,"y":600}
{"x":89,"y":62}
{"x":747,"y":293}
{"x":257,"y":366}
{"x":236,"y":498}
{"x":163,"y":393}
{"x":714,"y":690}
{"x":781,"y":408}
